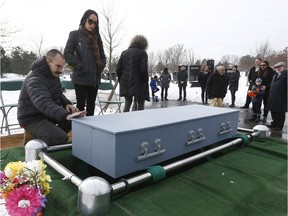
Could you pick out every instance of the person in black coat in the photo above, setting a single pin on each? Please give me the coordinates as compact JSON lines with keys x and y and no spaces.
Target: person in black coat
{"x":266,"y":73}
{"x":43,"y":110}
{"x":233,"y":84}
{"x":277,"y":101}
{"x":217,"y":87}
{"x":202,"y":79}
{"x":182,"y":77}
{"x":84,"y":52}
{"x":132,"y":72}
{"x":252,"y":73}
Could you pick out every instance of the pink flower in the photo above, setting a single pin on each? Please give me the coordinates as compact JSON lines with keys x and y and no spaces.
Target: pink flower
{"x":24,"y":201}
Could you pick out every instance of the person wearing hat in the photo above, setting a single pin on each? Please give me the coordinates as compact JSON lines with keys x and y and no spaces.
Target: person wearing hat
{"x":182,"y":78}
{"x":256,"y":94}
{"x":277,"y":101}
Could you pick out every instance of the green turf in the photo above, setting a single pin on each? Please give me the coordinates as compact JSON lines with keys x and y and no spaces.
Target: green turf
{"x":251,"y":180}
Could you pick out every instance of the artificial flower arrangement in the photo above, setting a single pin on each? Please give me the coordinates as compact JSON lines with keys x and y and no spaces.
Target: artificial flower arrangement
{"x":24,"y":187}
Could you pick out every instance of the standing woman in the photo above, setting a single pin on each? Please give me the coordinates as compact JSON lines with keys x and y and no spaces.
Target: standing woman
{"x":84,"y":51}
{"x":165,"y":79}
{"x":132,"y":72}
{"x":266,"y":73}
{"x":202,"y":79}
{"x":233,"y":84}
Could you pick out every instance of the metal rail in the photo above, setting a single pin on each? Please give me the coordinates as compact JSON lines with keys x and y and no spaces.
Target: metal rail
{"x":137,"y":180}
{"x":68,"y":175}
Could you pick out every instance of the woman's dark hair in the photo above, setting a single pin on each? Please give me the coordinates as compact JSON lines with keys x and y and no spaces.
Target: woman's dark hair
{"x":261,"y":72}
{"x":86,"y":16}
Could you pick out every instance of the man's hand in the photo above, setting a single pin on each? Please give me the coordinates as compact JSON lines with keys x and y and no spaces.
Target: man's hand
{"x":71,"y":108}
{"x":76,"y":115}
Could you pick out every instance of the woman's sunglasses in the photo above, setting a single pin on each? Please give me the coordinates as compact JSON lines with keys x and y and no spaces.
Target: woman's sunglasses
{"x":90,"y":22}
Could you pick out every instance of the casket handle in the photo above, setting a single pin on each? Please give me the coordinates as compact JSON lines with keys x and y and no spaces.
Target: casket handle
{"x":225,"y":128}
{"x":191,"y":137}
{"x":144,"y":150}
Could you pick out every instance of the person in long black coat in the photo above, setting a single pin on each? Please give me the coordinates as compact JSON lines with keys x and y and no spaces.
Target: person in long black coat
{"x":202,"y":80}
{"x":266,"y":73}
{"x":277,"y":101}
{"x":182,"y":77}
{"x":250,"y":81}
{"x":233,"y":84}
{"x":132,"y":72}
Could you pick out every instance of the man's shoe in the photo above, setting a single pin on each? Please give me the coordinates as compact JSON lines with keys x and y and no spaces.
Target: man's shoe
{"x":276,"y":128}
{"x":271,"y":125}
{"x":179,"y":99}
{"x":184,"y":99}
{"x":166,"y":99}
{"x":264,"y":119}
{"x":232,"y":105}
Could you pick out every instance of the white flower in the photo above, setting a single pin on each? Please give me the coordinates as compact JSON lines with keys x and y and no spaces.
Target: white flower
{"x":35,"y":166}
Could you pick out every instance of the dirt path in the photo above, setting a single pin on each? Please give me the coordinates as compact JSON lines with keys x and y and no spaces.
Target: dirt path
{"x":11,"y":141}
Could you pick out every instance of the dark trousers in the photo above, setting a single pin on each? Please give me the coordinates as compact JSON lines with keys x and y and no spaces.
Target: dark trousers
{"x":154,"y":91}
{"x":138,"y":104}
{"x":162,"y":93}
{"x":256,"y":107}
{"x":204,"y":94}
{"x":50,"y":132}
{"x":180,"y":91}
{"x":233,"y":97}
{"x":265,"y":102}
{"x":86,"y":96}
{"x":278,"y":119}
{"x":248,"y":98}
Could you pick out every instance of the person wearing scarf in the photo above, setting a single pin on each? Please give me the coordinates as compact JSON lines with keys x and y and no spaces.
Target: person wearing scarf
{"x":85,"y":54}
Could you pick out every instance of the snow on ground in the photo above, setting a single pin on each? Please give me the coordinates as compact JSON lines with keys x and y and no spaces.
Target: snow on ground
{"x":193,"y":94}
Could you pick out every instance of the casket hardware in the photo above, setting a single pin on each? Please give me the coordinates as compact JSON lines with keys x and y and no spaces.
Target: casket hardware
{"x":191,"y":137}
{"x":144,"y":150}
{"x":225,"y":128}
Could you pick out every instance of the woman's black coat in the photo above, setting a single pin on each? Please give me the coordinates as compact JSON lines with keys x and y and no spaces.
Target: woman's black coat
{"x":132,"y":72}
{"x":81,"y":58}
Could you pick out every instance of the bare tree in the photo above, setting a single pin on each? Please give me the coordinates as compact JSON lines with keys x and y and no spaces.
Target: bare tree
{"x":167,"y":56}
{"x":39,"y":46}
{"x":229,"y":60}
{"x":151,"y":63}
{"x":6,"y":30}
{"x":178,"y":56}
{"x":190,"y":56}
{"x":111,"y":32}
{"x":264,"y":50}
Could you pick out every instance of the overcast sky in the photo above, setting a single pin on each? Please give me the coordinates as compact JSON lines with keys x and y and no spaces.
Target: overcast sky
{"x":212,"y":28}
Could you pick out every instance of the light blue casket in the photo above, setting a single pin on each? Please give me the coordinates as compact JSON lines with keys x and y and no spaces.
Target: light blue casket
{"x":119,"y":144}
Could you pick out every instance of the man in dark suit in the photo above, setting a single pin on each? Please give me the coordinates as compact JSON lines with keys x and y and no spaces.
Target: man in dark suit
{"x":277,"y":101}
{"x":251,"y":76}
